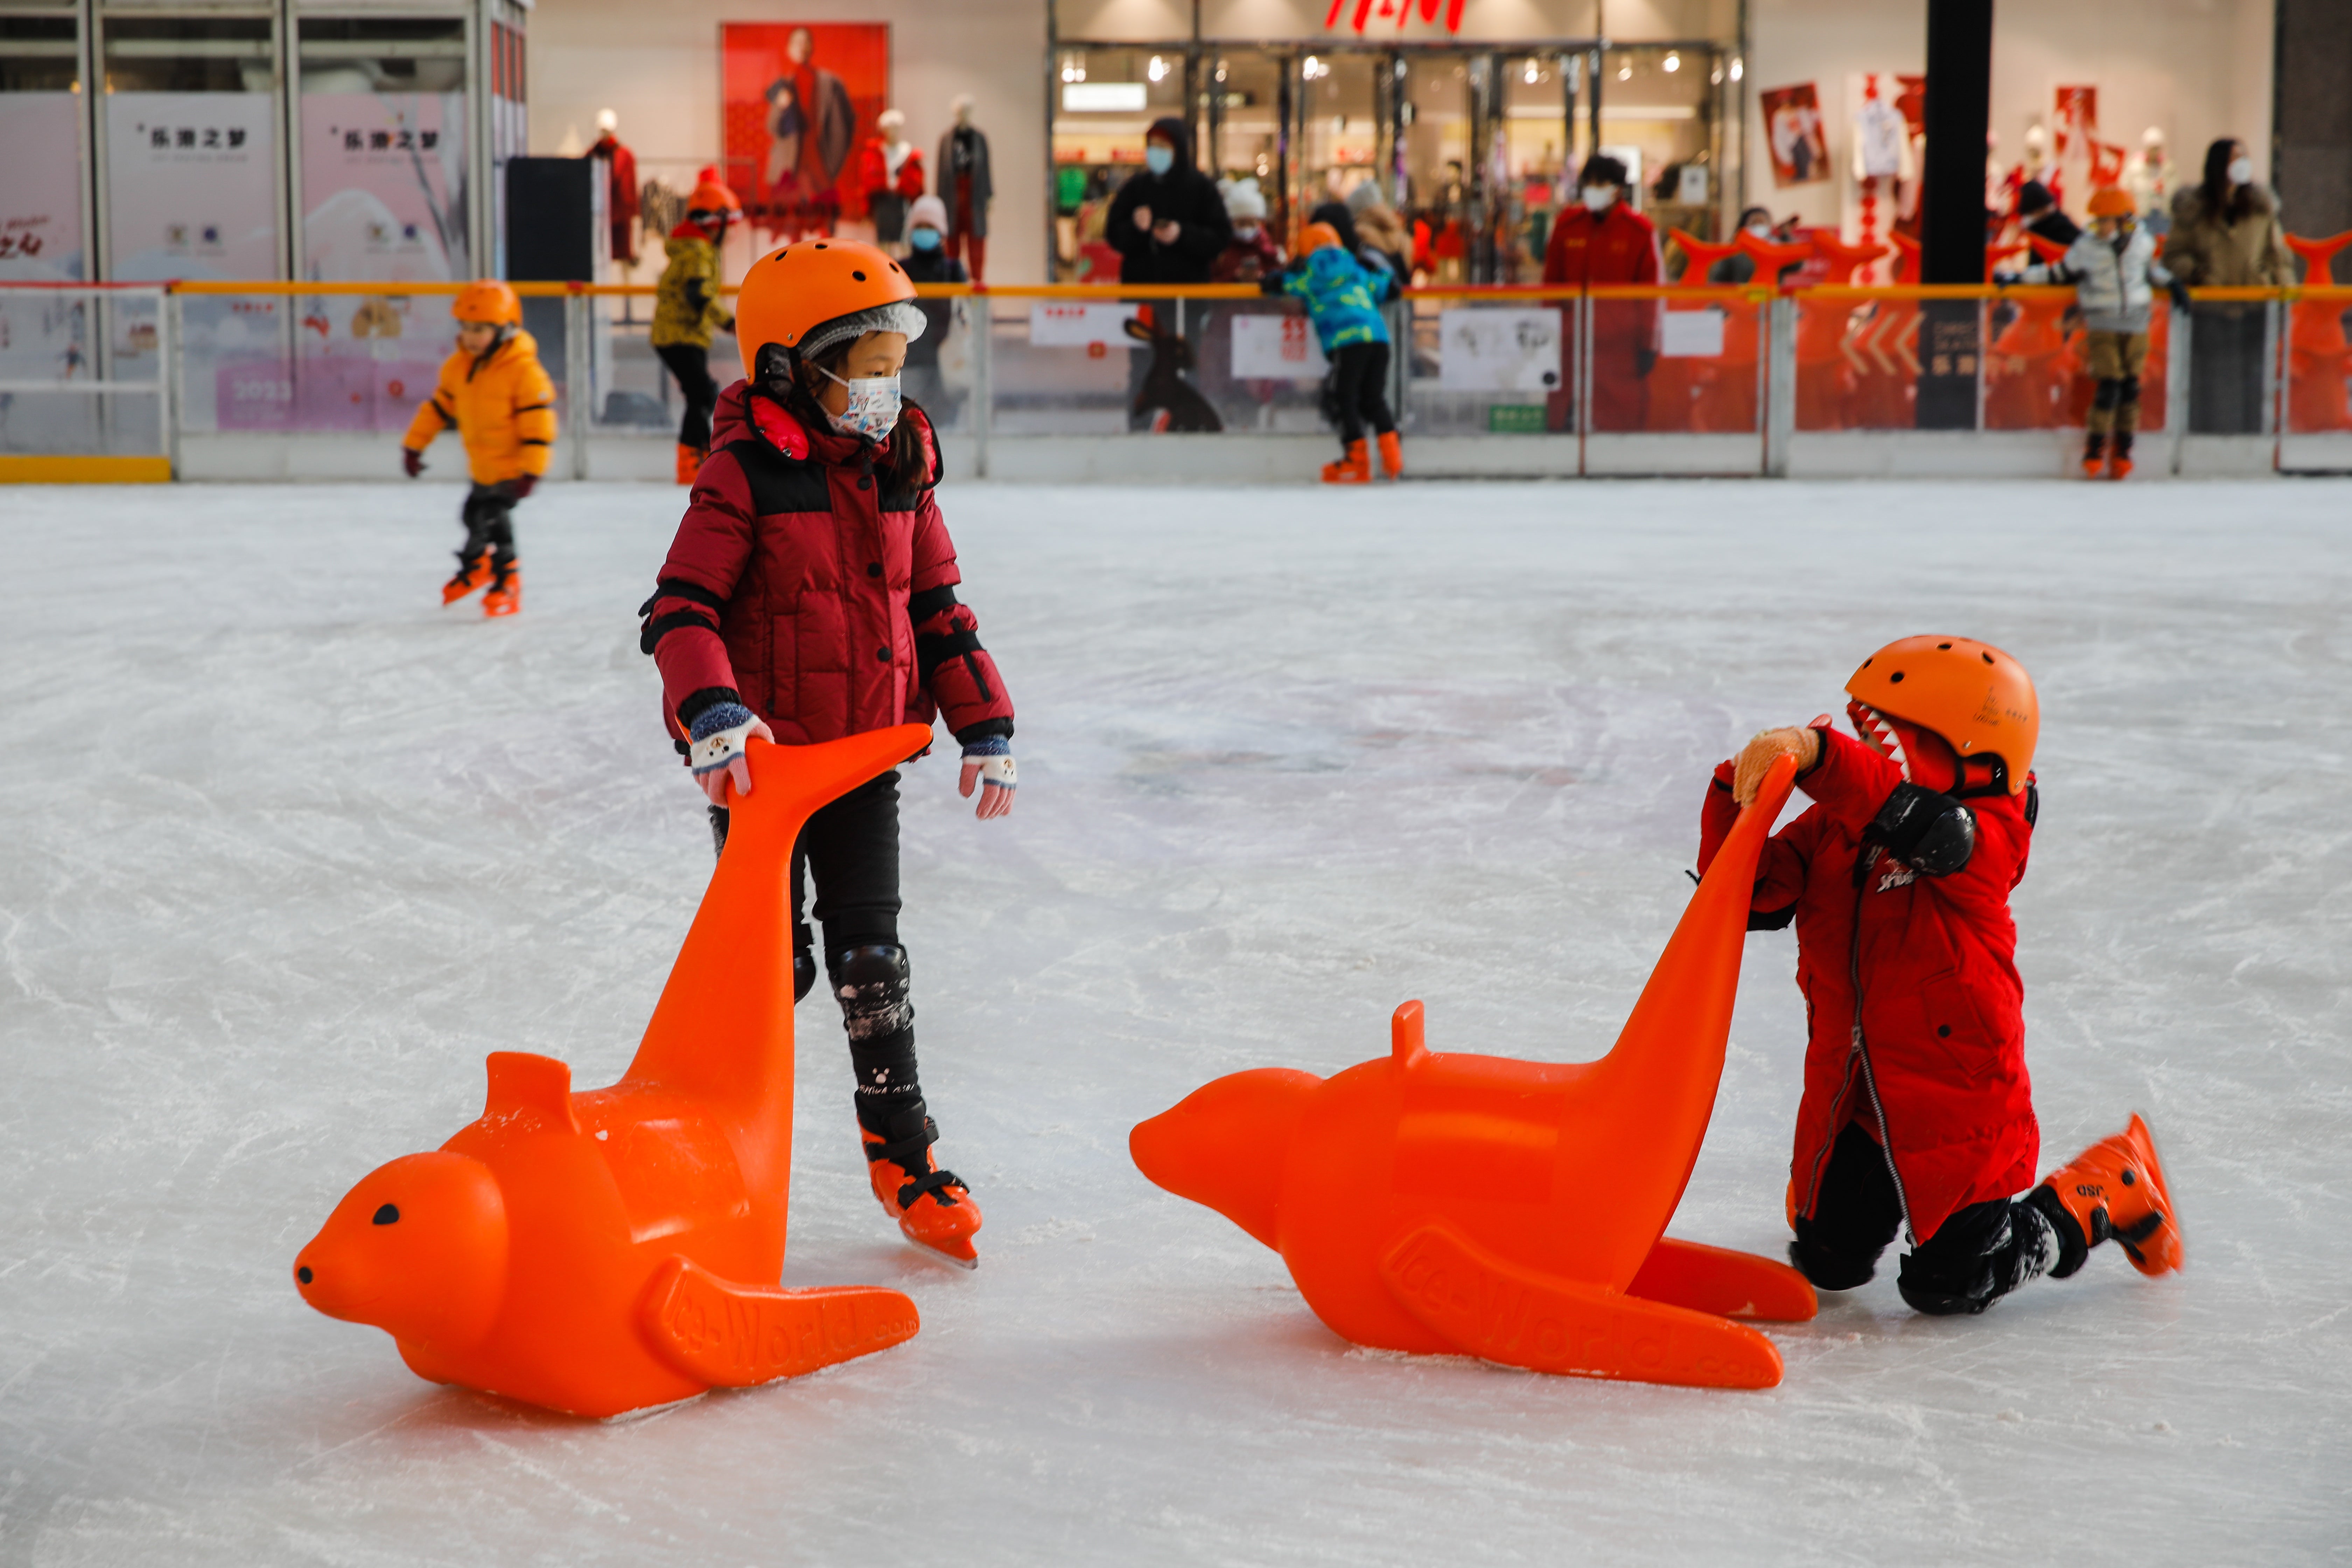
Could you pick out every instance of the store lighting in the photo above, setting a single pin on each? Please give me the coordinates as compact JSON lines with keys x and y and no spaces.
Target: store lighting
{"x":1531,"y":76}
{"x":1311,"y":67}
{"x":1673,"y":62}
{"x":1738,"y":69}
{"x":1626,"y":71}
{"x":1716,"y":76}
{"x":1157,"y":69}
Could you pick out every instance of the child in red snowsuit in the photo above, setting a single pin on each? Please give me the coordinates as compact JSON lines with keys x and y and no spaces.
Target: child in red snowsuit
{"x":1918,"y":1112}
{"x":809,"y":595}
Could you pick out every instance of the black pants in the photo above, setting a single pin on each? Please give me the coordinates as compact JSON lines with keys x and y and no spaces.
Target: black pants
{"x":1976,"y":1255}
{"x":691,"y":367}
{"x":851,"y":847}
{"x":1360,"y":381}
{"x":488,"y":516}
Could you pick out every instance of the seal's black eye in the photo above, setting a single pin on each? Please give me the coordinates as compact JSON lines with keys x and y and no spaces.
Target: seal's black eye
{"x":388,"y":1215}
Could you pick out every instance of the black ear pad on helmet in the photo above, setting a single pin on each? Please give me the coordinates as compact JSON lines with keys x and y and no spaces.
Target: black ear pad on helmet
{"x":772,"y":363}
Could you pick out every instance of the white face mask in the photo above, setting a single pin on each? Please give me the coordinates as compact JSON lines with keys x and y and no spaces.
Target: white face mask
{"x":1599,"y":198}
{"x":873,"y":408}
{"x":2242,"y":170}
{"x":1761,"y":230}
{"x":1245,"y":232}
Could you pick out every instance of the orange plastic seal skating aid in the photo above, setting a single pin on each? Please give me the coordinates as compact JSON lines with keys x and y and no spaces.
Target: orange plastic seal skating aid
{"x":1511,"y":1210}
{"x":601,"y":1252}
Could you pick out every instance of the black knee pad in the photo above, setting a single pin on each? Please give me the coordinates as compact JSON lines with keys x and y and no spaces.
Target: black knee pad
{"x":2106,"y":394}
{"x":2128,"y":389}
{"x":1829,"y":1265}
{"x":871,"y":982}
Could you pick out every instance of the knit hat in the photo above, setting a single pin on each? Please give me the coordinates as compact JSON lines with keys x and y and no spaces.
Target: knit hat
{"x":928,"y":211}
{"x":1244,"y":200}
{"x":898,"y":316}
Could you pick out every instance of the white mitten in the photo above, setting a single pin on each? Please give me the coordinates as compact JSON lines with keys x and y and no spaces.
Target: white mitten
{"x":717,"y":756}
{"x":988,"y":764}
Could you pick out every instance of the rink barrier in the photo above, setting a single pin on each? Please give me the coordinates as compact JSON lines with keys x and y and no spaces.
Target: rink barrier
{"x":212,"y":379}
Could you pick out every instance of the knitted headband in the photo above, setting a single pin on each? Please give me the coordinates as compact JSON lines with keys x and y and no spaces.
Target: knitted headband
{"x":898,"y":316}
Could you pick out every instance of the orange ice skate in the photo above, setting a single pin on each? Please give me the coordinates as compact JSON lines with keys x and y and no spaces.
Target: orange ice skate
{"x":689,"y":463}
{"x":1355,"y":469}
{"x":1392,"y":454}
{"x":471,"y":574}
{"x":934,"y":1209}
{"x":505,"y":596}
{"x":2116,"y":1188}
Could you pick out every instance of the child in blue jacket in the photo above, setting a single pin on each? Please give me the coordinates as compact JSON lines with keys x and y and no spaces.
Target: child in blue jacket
{"x":1343,"y":297}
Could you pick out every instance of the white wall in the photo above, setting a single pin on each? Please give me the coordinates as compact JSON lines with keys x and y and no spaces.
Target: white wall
{"x":2199,"y":68}
{"x":657,"y":65}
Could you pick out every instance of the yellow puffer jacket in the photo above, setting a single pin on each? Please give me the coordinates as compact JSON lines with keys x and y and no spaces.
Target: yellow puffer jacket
{"x":502,"y":406}
{"x":686,"y":308}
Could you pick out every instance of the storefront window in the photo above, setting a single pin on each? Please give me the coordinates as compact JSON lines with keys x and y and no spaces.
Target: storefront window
{"x":40,"y":125}
{"x":1658,"y":114}
{"x":384,"y":149}
{"x":1342,"y":128}
{"x":191,"y":148}
{"x":1104,"y":98}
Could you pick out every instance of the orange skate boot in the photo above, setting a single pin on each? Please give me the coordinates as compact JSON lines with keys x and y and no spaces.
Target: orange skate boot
{"x":2116,"y":1188}
{"x":2094,"y":457}
{"x":1392,"y":454}
{"x":505,"y":596}
{"x":2120,"y":465}
{"x":689,"y":463}
{"x":1355,"y":469}
{"x":934,"y":1209}
{"x":471,"y":574}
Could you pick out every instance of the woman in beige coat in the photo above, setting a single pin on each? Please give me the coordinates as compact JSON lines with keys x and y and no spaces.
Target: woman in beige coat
{"x":2225,"y":234}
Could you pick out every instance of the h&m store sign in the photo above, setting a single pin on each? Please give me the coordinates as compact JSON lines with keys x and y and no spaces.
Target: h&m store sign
{"x":1362,"y":16}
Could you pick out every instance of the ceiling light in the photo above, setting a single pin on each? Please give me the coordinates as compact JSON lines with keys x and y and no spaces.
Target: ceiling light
{"x":1625,"y":72}
{"x":1157,"y":69}
{"x":1532,"y":75}
{"x":1673,"y":62}
{"x":1739,"y":68}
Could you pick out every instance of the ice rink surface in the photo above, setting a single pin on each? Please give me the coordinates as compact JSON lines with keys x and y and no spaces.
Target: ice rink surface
{"x":288,"y":849}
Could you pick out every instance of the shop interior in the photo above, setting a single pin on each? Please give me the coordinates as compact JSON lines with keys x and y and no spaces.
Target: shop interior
{"x":1474,"y":146}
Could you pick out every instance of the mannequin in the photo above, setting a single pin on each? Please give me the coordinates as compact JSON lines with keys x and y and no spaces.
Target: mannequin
{"x":965,"y":188}
{"x":2037,"y":167}
{"x":2149,"y":179}
{"x":891,"y":175}
{"x":620,"y":185}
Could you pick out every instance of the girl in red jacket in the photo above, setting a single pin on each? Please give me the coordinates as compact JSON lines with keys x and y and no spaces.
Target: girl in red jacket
{"x":809,"y":595}
{"x":1918,"y":1112}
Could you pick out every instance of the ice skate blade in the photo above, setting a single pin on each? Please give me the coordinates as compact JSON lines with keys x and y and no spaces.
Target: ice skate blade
{"x":968,"y":1259}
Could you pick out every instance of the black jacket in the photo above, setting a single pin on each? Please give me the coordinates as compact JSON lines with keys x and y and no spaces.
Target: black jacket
{"x":932,"y":267}
{"x":1184,"y":194}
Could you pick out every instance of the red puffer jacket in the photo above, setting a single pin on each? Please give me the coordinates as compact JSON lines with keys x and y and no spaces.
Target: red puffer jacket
{"x":1937,"y":1072}
{"x":800,"y":587}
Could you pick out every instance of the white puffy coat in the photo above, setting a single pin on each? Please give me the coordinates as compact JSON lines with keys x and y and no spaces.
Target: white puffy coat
{"x":2114,"y":288}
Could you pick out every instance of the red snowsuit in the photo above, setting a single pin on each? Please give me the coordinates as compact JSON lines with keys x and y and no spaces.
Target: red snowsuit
{"x":827,"y":603}
{"x":1620,"y":246}
{"x":1936,"y":1073}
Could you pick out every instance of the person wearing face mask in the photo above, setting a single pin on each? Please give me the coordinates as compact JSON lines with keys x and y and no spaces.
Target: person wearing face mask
{"x":927,"y":261}
{"x":1254,"y":253}
{"x":2225,"y":234}
{"x":810,"y":594}
{"x":1602,"y":241}
{"x":1739,"y":268}
{"x":1168,"y":225}
{"x":687,"y":311}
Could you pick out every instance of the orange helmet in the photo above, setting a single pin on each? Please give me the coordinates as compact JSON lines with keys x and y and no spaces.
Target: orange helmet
{"x":2111,"y":201}
{"x":712,"y":200}
{"x":487,"y":300}
{"x":1975,"y":698}
{"x":790,"y":293}
{"x":1316,"y":237}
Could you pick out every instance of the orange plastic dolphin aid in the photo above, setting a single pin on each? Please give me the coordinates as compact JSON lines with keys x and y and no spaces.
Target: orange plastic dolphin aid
{"x":605,"y":1251}
{"x":1510,"y":1210}
{"x":2319,"y":356}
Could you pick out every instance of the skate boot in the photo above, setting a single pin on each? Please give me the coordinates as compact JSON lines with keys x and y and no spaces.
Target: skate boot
{"x":1392,"y":454}
{"x":2116,"y":1188}
{"x":689,"y":463}
{"x":2095,"y":455}
{"x":2120,"y":464}
{"x":933,"y":1207}
{"x":505,"y":596}
{"x":471,"y":574}
{"x":1355,"y":469}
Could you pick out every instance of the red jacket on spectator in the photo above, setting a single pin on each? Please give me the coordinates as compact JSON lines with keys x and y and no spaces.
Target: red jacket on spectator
{"x":800,"y":587}
{"x":1943,"y":1031}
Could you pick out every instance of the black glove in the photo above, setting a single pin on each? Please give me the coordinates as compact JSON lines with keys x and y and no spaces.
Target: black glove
{"x":2179,"y":292}
{"x":1644,"y":360}
{"x":728,"y":326}
{"x":519,"y":486}
{"x":411,"y":461}
{"x":1927,"y":831}
{"x":1271,"y":283}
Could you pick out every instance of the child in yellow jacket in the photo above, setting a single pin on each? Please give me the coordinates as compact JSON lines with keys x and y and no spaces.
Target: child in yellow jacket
{"x":494,"y":391}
